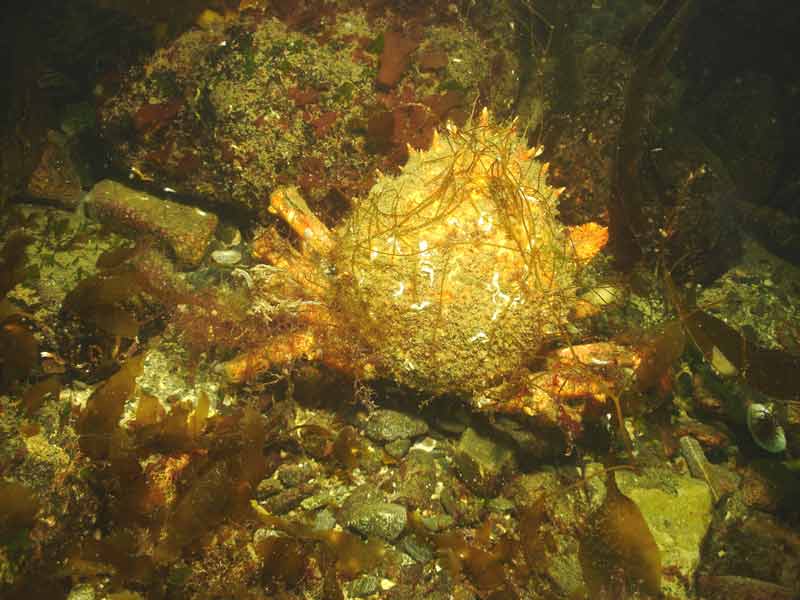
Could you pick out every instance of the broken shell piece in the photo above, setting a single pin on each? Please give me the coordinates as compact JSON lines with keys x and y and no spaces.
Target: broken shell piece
{"x":763,"y":425}
{"x":226,"y":258}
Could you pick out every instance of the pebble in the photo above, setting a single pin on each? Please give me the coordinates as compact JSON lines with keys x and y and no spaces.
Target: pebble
{"x":388,"y":425}
{"x":385,"y":520}
{"x":482,"y":462}
{"x":366,"y":512}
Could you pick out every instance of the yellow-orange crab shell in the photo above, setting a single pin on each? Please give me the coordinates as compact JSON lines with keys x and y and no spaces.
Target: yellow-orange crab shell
{"x":447,"y":278}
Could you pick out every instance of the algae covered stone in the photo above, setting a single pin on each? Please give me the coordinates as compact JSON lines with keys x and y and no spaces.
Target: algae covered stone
{"x":186,"y":230}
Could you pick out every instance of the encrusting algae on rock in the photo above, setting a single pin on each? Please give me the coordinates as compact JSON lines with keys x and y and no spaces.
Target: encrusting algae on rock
{"x":446,"y":278}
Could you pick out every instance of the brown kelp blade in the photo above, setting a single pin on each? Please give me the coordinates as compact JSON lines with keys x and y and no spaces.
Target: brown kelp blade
{"x":618,"y":552}
{"x":770,"y":371}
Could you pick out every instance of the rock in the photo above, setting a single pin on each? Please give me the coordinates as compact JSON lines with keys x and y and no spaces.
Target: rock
{"x":721,"y":480}
{"x":167,"y":376}
{"x":417,"y":548}
{"x":752,"y":544}
{"x":465,"y":508}
{"x":386,"y":425}
{"x":774,"y":229}
{"x":324,"y":520}
{"x":366,"y":585}
{"x":732,"y":587}
{"x":55,"y":178}
{"x":769,"y":485}
{"x":188,"y":231}
{"x":377,"y":519}
{"x":366,"y":511}
{"x":437,"y":522}
{"x":483,"y":463}
{"x":417,"y":479}
{"x":82,"y":591}
{"x":704,"y":237}
{"x":542,"y":442}
{"x":46,"y":502}
{"x":714,"y":439}
{"x":294,"y":475}
{"x":548,"y":514}
{"x":278,"y":102}
{"x":678,"y":511}
{"x":527,"y":488}
{"x":268,"y":488}
{"x":397,"y":448}
{"x":287,"y":500}
{"x":500,"y":505}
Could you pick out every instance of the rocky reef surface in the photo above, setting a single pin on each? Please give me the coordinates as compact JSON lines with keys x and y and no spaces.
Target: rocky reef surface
{"x":213,"y":195}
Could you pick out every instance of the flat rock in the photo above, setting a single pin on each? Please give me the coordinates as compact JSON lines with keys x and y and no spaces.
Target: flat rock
{"x":678,"y":511}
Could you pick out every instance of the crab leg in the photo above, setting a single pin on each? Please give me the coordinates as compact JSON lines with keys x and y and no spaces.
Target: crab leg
{"x":281,"y":350}
{"x":288,"y":204}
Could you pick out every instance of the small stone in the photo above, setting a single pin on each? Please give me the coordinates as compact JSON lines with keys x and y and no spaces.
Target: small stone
{"x":287,"y":500}
{"x":417,"y":480}
{"x":327,"y":496}
{"x":386,"y":425}
{"x":528,"y":488}
{"x":366,"y":585}
{"x":718,"y":478}
{"x":55,"y":177}
{"x":466,"y":509}
{"x":436,"y":523}
{"x":397,"y":448}
{"x":482,"y":462}
{"x":324,"y":520}
{"x":226,"y":258}
{"x":229,"y":235}
{"x":425,"y":445}
{"x":294,"y":475}
{"x":267,"y":488}
{"x":387,"y":584}
{"x":417,"y":549}
{"x":82,"y":591}
{"x":500,"y":505}
{"x":379,"y":519}
{"x":371,"y":517}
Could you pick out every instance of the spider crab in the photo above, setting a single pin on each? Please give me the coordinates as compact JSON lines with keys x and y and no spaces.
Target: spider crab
{"x":448,"y":278}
